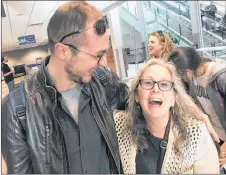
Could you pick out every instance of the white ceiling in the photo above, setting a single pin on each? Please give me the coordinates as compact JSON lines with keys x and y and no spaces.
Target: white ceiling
{"x":31,"y":17}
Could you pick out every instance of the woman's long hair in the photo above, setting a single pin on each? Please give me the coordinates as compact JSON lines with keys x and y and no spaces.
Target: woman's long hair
{"x":184,"y":108}
{"x":166,"y":42}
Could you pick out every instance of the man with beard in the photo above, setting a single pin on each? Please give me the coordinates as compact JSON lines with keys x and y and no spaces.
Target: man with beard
{"x":67,"y":123}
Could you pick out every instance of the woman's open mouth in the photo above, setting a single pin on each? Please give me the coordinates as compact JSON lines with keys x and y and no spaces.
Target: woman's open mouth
{"x":155,"y":102}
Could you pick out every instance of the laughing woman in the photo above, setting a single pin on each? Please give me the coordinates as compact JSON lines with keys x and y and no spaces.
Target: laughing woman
{"x":159,"y":132}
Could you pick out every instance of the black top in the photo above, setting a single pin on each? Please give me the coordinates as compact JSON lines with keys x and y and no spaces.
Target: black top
{"x":6,"y":69}
{"x":146,"y":161}
{"x":150,"y":160}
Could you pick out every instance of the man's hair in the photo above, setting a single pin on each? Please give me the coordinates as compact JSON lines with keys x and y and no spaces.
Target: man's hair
{"x":3,"y":58}
{"x":70,"y":17}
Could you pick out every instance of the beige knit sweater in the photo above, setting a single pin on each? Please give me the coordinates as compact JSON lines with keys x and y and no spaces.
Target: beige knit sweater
{"x":199,"y":155}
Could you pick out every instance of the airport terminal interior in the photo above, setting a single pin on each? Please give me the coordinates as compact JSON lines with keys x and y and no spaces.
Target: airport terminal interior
{"x":197,"y":24}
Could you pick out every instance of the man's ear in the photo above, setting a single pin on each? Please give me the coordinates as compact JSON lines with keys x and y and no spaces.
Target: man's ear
{"x":62,"y":51}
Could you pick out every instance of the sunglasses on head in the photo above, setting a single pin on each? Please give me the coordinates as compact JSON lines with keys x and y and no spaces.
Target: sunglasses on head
{"x":160,"y":32}
{"x":100,"y":25}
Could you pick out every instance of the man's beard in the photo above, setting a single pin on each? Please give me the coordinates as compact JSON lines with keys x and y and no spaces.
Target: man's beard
{"x":72,"y":76}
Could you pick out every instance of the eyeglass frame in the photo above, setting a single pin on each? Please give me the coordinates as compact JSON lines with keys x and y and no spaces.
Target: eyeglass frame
{"x":82,"y":30}
{"x":158,"y":82}
{"x":99,"y":57}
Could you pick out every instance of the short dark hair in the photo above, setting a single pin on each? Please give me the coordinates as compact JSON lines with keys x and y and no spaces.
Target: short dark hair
{"x":185,"y":58}
{"x":70,"y":17}
{"x":3,"y":58}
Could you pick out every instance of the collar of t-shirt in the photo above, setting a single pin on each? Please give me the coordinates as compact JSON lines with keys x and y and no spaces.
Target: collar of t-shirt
{"x":69,"y":99}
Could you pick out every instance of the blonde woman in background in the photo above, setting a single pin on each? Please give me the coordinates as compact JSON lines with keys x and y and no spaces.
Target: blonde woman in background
{"x":160,"y":45}
{"x":159,"y":132}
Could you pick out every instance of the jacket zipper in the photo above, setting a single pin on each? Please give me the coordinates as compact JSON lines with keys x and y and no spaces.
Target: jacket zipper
{"x":63,"y":145}
{"x":54,"y":107}
{"x":47,"y":145}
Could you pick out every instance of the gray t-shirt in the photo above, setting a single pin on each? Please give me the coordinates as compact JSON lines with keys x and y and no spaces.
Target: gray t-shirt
{"x":70,"y":101}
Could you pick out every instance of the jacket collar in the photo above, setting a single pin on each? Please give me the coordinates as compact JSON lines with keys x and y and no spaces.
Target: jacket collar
{"x":45,"y":81}
{"x":43,"y":76}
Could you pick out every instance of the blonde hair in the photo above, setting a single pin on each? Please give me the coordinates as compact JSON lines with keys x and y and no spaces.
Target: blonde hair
{"x":184,"y":109}
{"x":166,"y":42}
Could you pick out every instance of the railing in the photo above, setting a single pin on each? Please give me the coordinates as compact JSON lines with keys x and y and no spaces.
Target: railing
{"x":164,"y":15}
{"x":131,"y":7}
{"x":214,"y":24}
{"x":204,"y":52}
{"x":211,"y":48}
{"x":213,"y":52}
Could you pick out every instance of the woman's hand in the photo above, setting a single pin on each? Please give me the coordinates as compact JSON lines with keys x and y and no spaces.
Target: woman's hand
{"x":223,"y":154}
{"x":222,"y":158}
{"x":209,"y":126}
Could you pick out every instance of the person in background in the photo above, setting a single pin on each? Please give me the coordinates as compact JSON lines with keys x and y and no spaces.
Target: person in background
{"x":8,"y":74}
{"x":28,"y":70}
{"x":160,"y":45}
{"x":68,"y":123}
{"x":159,"y":132}
{"x":207,"y":86}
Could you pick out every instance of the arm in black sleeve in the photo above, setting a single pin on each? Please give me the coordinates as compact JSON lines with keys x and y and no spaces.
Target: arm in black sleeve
{"x":117,"y":91}
{"x":14,"y":146}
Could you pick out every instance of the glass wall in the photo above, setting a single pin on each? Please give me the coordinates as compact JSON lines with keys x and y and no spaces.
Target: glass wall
{"x":187,"y":23}
{"x":172,"y":17}
{"x":128,"y":36}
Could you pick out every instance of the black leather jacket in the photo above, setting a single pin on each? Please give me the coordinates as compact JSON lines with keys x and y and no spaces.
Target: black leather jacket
{"x":35,"y":143}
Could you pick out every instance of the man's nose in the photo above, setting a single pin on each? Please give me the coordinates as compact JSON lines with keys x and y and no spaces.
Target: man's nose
{"x":103,"y":61}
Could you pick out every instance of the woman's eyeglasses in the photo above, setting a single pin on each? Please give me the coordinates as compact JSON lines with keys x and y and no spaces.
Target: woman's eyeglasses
{"x":163,"y":85}
{"x":100,"y":26}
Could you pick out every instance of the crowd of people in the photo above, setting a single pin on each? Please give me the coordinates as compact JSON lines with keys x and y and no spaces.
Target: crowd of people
{"x":79,"y":117}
